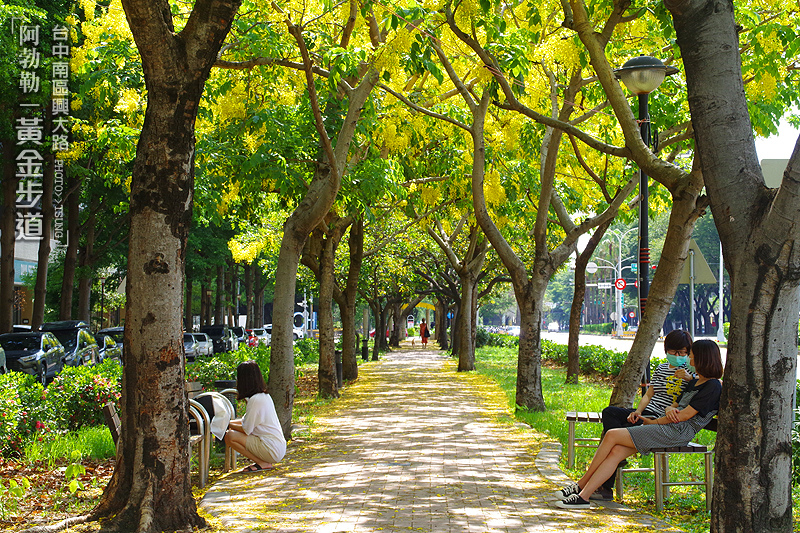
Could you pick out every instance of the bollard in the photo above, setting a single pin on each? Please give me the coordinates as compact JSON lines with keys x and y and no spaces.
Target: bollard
{"x":337,"y":356}
{"x":365,"y":350}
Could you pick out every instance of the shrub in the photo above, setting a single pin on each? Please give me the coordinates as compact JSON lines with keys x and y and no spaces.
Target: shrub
{"x":599,"y":328}
{"x":76,"y":396}
{"x":207,"y":370}
{"x":306,"y":351}
{"x":593,"y":359}
{"x":482,"y":338}
{"x":18,"y":394}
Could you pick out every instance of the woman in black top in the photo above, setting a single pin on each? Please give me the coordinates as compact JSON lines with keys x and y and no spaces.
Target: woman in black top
{"x":696,"y":406}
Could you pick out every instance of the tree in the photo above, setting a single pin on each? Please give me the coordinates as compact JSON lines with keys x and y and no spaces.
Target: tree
{"x":150,"y":489}
{"x":759,"y":229}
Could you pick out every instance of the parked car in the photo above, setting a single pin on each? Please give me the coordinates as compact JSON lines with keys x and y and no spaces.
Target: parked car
{"x":20,"y":328}
{"x":205,"y":346}
{"x":117,"y":333}
{"x":240,"y":334}
{"x":79,"y":345}
{"x":110,"y":349}
{"x":259,"y":335}
{"x":221,"y":336}
{"x":35,"y":352}
{"x":189,"y":347}
{"x":297,"y":333}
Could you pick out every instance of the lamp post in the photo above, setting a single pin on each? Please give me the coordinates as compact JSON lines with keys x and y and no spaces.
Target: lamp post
{"x":642,"y":75}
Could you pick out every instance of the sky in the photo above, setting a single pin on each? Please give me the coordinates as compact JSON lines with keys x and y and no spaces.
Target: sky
{"x":780,"y":146}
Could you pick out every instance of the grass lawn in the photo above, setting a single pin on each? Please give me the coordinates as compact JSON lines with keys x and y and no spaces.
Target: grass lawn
{"x":685,"y":508}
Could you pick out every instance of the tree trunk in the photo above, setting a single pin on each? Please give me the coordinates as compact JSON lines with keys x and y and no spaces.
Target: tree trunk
{"x":43,"y":254}
{"x":248,"y":289}
{"x":85,"y":275}
{"x":151,"y":488}
{"x":441,"y":324}
{"x":73,"y":240}
{"x":188,"y":323}
{"x":350,"y":295}
{"x":328,"y":386}
{"x":529,"y":360}
{"x":233,"y":291}
{"x":759,"y":229}
{"x":260,"y":287}
{"x":7,"y":235}
{"x":687,"y":206}
{"x":573,"y":355}
{"x":219,"y":303}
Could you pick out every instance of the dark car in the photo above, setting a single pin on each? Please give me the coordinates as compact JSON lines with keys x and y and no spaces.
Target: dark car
{"x":79,"y":345}
{"x":36,"y":352}
{"x":221,"y":336}
{"x":117,"y":333}
{"x":110,"y":349}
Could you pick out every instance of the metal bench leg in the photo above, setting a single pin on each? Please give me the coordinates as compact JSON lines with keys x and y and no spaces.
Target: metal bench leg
{"x":658,"y":470}
{"x":618,"y":485}
{"x":571,"y":445}
{"x":666,"y":475}
{"x":709,"y":479}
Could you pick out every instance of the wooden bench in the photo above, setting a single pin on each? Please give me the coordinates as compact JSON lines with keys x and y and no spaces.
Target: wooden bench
{"x":661,"y":470}
{"x":580,"y":416}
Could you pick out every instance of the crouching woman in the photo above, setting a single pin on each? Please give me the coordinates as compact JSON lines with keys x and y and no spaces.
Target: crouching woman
{"x":695,"y":408}
{"x":258,"y":434}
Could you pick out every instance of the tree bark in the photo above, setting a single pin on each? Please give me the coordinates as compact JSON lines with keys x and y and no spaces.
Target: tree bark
{"x":43,"y":254}
{"x":7,"y":235}
{"x":73,"y":240}
{"x":328,"y":385}
{"x":85,"y":276}
{"x":573,"y":354}
{"x":219,"y":307}
{"x":188,"y":323}
{"x":150,"y":489}
{"x":248,"y":289}
{"x":349,"y":297}
{"x":759,"y":229}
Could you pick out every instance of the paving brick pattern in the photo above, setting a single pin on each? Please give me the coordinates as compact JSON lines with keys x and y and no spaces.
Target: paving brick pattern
{"x":410,"y":447}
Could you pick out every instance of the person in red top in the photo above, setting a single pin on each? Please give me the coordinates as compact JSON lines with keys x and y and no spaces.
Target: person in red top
{"x":423,"y":332}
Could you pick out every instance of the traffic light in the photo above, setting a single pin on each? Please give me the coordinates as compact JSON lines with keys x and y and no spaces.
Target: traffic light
{"x":622,"y":299}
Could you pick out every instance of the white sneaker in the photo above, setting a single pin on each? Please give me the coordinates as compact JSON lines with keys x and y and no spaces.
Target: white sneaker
{"x":574,"y":501}
{"x":568,"y":490}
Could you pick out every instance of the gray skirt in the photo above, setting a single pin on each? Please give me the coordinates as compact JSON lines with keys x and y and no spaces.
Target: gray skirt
{"x":647,"y":437}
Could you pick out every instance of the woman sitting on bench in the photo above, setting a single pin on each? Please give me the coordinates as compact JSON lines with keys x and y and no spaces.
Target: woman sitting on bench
{"x":666,"y":385}
{"x":257,"y":435}
{"x":695,"y":408}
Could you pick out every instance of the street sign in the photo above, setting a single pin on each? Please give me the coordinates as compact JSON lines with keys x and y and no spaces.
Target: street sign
{"x":632,"y":314}
{"x":604,"y":285}
{"x":591,"y":268}
{"x":450,"y":314}
{"x":624,"y":319}
{"x":636,"y":283}
{"x":634,"y":268}
{"x":620,"y":284}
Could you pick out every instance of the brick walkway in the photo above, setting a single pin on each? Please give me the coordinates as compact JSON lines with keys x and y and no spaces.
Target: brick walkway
{"x":411,"y":446}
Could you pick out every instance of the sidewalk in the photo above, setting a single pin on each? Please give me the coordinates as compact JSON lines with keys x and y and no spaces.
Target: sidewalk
{"x":411,"y":446}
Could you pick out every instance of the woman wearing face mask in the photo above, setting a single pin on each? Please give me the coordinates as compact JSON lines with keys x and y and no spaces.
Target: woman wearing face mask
{"x":695,"y":408}
{"x":666,"y":384}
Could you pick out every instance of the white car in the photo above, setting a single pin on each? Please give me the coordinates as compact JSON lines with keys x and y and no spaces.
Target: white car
{"x":297,"y":333}
{"x":553,"y":326}
{"x":205,"y":346}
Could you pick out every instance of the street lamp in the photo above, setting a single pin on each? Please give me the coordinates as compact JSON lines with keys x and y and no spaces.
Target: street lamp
{"x":642,"y":75}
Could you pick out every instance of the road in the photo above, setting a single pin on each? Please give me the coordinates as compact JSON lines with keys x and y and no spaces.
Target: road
{"x":606,"y":341}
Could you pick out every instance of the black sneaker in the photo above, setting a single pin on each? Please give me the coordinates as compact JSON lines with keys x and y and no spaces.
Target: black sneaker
{"x":574,"y":501}
{"x":602,"y":494}
{"x":568,"y":490}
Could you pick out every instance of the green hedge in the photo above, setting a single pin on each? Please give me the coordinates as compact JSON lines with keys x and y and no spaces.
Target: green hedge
{"x":598,"y":328}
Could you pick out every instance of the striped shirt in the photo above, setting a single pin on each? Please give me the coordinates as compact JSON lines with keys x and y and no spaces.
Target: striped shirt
{"x":667,"y":387}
